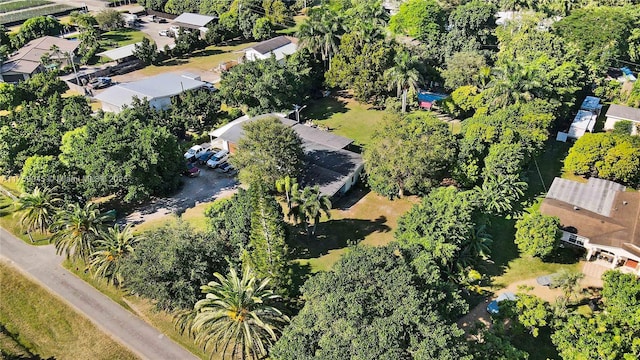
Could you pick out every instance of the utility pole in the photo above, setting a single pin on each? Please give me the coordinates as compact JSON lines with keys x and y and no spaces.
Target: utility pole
{"x":73,"y":64}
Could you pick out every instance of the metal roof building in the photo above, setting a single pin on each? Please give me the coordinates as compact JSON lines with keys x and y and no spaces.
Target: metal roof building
{"x":619,"y":113}
{"x":158,"y":90}
{"x":193,"y":21}
{"x":279,"y":47}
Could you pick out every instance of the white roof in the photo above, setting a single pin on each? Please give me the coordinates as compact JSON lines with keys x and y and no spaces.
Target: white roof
{"x":163,"y":85}
{"x":194,"y":19}
{"x":584,"y":120}
{"x":221,"y":130}
{"x":120,"y":53}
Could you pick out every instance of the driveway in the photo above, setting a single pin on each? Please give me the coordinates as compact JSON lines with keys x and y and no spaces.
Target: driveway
{"x":43,"y":265}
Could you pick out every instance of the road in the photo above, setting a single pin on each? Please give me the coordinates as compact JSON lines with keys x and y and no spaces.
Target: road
{"x":42,"y":264}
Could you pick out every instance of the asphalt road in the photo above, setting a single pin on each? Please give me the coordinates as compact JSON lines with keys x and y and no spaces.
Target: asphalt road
{"x":42,"y":264}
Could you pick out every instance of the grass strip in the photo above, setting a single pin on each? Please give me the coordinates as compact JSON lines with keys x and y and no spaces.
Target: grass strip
{"x":21,"y":4}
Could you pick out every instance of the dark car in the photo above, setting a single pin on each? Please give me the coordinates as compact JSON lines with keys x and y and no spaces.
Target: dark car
{"x":100,"y":82}
{"x":226,"y":167}
{"x":191,"y":171}
{"x":204,"y":156}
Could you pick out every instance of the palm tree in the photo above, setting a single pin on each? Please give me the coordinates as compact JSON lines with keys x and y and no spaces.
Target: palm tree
{"x":404,"y":75}
{"x":321,"y":33}
{"x":310,"y":205}
{"x":499,"y":193}
{"x":76,"y":230}
{"x":568,"y":282}
{"x":513,"y":84}
{"x":287,"y":186}
{"x":235,"y":316}
{"x":55,"y":51}
{"x":112,"y":246}
{"x":479,"y":244}
{"x":38,"y":210}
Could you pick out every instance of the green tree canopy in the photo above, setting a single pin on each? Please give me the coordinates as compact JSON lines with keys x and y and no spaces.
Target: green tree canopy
{"x":537,"y":234}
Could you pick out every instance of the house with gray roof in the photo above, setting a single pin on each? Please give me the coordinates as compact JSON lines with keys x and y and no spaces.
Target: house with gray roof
{"x":194,"y":21}
{"x":158,"y":90}
{"x":27,"y":61}
{"x":328,"y":162}
{"x":599,"y":216}
{"x":280,"y":47}
{"x":619,"y":113}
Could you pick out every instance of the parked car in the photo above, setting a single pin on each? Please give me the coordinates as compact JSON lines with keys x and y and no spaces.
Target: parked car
{"x":494,"y":307}
{"x":100,"y":82}
{"x":226,"y":167}
{"x":191,"y":171}
{"x":218,"y":159}
{"x":210,"y":87}
{"x":547,"y":280}
{"x":206,"y":155}
{"x":163,"y":33}
{"x":194,"y":151}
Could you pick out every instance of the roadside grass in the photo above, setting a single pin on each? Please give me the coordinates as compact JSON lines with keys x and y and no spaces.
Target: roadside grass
{"x":362,"y":217}
{"x":44,"y":325}
{"x":203,"y":60}
{"x":10,"y":221}
{"x":345,"y":116}
{"x":113,"y":39}
{"x":11,"y":183}
{"x":144,"y":308}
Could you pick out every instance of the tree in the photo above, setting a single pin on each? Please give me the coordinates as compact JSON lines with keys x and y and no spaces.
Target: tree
{"x":436,"y":229}
{"x":309,"y":205}
{"x":171,"y":264}
{"x":537,"y":234}
{"x":186,"y":42}
{"x":263,"y":86}
{"x":111,"y":247}
{"x":37,"y":210}
{"x":263,"y":29}
{"x":409,"y":154}
{"x":532,"y":312}
{"x":470,"y":27}
{"x":403,"y":76}
{"x":421,"y":19}
{"x":110,"y":19}
{"x":196,"y":110}
{"x":289,"y":187}
{"x":43,"y":172}
{"x":231,"y":219}
{"x":463,"y":69}
{"x":321,"y":33}
{"x":36,"y":27}
{"x":504,"y":159}
{"x":236,"y":317}
{"x":499,"y":194}
{"x":146,"y":51}
{"x":267,"y":252}
{"x":359,"y":310}
{"x":568,"y":282}
{"x":268,"y":151}
{"x":76,"y":229}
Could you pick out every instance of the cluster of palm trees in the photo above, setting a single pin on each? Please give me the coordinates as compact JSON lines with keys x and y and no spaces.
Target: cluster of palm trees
{"x":78,"y":231}
{"x":305,"y":205}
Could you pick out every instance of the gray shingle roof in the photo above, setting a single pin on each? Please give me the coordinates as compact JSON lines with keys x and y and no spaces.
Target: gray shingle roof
{"x":194,"y":20}
{"x":624,"y":112}
{"x":267,"y":46}
{"x":322,"y":137}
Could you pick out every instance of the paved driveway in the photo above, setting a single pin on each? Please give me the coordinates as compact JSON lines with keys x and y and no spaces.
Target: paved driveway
{"x":44,"y":266}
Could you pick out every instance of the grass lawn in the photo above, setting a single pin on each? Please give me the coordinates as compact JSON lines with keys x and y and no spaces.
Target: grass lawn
{"x":370,"y":221}
{"x":345,"y":117}
{"x":194,"y":216}
{"x":122,"y":37}
{"x":41,"y":324}
{"x":298,"y":19}
{"x":10,"y":222}
{"x":203,"y":60}
{"x":11,"y":184}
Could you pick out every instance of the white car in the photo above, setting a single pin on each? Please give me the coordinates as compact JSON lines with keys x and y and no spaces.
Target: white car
{"x":217,"y":159}
{"x":194,"y":151}
{"x":163,"y":33}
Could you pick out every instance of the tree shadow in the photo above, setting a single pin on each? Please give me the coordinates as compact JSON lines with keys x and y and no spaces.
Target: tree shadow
{"x":300,"y":273}
{"x":333,"y":235}
{"x":324,"y":108}
{"x":353,"y":197}
{"x":206,"y":52}
{"x":173,"y":62}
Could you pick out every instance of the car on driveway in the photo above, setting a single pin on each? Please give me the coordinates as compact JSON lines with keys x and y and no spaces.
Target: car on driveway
{"x":194,"y":151}
{"x":207,"y":154}
{"x":100,"y":82}
{"x":163,"y":33}
{"x":191,"y":171}
{"x":218,"y":159}
{"x":226,"y":167}
{"x":547,"y":280}
{"x":494,"y":307}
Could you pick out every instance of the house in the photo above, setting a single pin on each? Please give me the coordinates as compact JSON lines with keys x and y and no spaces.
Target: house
{"x":194,"y":22}
{"x":158,"y":90}
{"x":27,"y":61}
{"x":599,"y":216}
{"x":280,"y":47}
{"x":620,"y":112}
{"x":120,"y":54}
{"x":328,"y":162}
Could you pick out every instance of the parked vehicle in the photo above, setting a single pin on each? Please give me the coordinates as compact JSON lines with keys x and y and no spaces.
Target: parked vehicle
{"x":194,"y":151}
{"x":100,"y":82}
{"x":191,"y":171}
{"x":494,"y":307}
{"x":226,"y":167}
{"x":163,"y":33}
{"x":218,"y":159}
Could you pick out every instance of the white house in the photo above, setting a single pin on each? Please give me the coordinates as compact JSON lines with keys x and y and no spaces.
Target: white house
{"x":158,"y":90}
{"x":620,"y":112}
{"x":280,"y":47}
{"x":599,"y":216}
{"x":328,"y":162}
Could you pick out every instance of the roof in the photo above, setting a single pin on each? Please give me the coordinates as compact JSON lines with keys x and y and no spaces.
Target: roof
{"x":221,"y":130}
{"x":27,"y":59}
{"x":120,"y":53}
{"x":321,"y":137}
{"x":191,"y":20}
{"x":591,"y":103}
{"x":270,"y":45}
{"x":163,"y":85}
{"x":235,"y":132}
{"x":623,"y":112}
{"x":600,"y":211}
{"x":584,"y":121}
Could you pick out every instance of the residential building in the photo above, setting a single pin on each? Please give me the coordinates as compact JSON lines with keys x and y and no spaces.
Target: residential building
{"x":621,"y":112}
{"x":328,"y":162}
{"x":279,"y":47}
{"x":194,"y":22}
{"x":158,"y":90}
{"x":599,"y":216}
{"x":27,"y":61}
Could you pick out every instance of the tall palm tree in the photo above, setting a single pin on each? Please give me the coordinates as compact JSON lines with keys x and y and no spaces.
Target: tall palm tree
{"x":513,"y":84}
{"x":76,"y":230}
{"x":111,"y":247}
{"x":310,"y":204}
{"x":404,"y":75}
{"x":287,"y":186}
{"x":37,"y":209}
{"x":568,"y":282}
{"x":321,"y":33}
{"x":235,"y":316}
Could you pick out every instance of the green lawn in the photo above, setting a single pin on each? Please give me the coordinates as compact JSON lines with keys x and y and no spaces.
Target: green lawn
{"x":35,"y":322}
{"x":122,"y":37}
{"x":21,"y":4}
{"x":194,"y":216}
{"x":10,"y":222}
{"x":345,"y":117}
